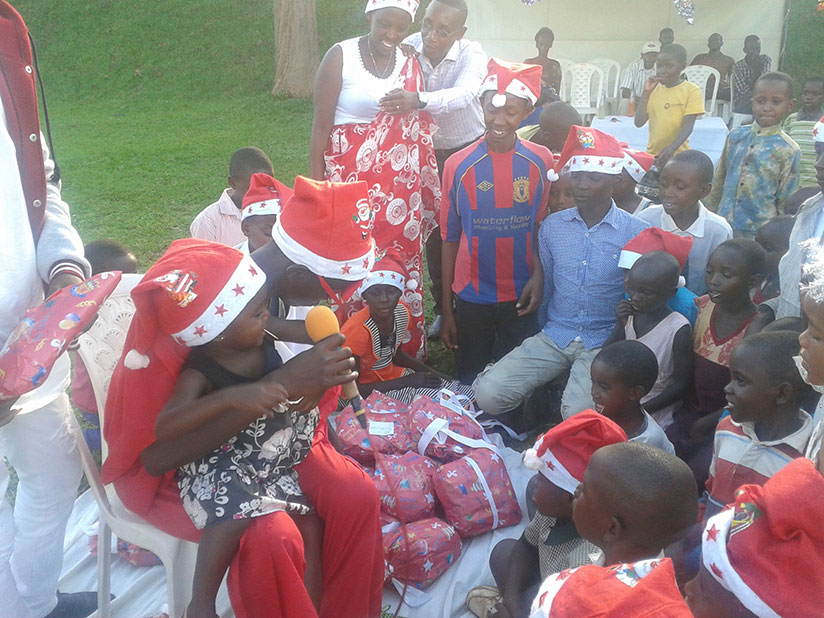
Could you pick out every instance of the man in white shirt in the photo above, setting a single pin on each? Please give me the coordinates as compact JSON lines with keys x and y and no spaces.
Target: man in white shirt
{"x":453,"y":69}
{"x":638,"y":72}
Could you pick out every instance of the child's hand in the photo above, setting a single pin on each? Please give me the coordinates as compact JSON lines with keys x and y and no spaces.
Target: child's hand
{"x":664,"y":156}
{"x":649,"y":86}
{"x":623,"y":311}
{"x":449,"y":331}
{"x":259,"y":398}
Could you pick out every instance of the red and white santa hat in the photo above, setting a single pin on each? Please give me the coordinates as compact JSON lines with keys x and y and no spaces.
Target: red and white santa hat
{"x":637,"y":163}
{"x":562,"y":453}
{"x":327,"y":227}
{"x":388,"y":270}
{"x":767,"y":547}
{"x":645,"y":588}
{"x":264,"y":196}
{"x":591,"y":150}
{"x":818,"y":131}
{"x":191,"y":294}
{"x":520,"y":80}
{"x":655,"y":239}
{"x":410,"y":6}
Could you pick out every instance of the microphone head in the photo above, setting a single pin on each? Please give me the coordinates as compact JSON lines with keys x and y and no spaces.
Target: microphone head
{"x":321,"y":323}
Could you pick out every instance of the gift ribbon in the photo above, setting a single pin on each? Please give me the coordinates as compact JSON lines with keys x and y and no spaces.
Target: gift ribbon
{"x":485,"y":487}
{"x":461,"y":404}
{"x":438,"y":430}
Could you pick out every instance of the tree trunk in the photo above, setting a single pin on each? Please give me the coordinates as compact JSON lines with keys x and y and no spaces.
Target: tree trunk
{"x":296,"y":47}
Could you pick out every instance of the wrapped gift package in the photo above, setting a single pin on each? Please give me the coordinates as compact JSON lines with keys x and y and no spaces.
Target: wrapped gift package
{"x":426,"y":551}
{"x":404,"y":483}
{"x":387,"y":429}
{"x":476,"y":493}
{"x":47,"y":329}
{"x":443,"y":428}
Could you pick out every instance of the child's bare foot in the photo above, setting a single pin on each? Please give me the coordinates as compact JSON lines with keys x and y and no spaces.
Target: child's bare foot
{"x":200,"y":610}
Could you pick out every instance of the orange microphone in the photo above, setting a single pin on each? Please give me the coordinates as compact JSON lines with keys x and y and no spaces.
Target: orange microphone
{"x":320,"y":324}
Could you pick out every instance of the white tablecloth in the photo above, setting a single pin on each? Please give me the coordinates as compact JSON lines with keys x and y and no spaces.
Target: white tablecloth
{"x":708,"y":135}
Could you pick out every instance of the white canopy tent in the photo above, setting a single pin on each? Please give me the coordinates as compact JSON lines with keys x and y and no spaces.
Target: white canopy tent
{"x":616,"y":29}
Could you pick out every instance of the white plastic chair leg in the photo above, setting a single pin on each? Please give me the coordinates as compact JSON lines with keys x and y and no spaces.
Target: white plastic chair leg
{"x":104,"y":569}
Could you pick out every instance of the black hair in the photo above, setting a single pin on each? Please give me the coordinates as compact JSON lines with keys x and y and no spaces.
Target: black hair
{"x":798,"y":197}
{"x":791,"y":324}
{"x":676,"y":51}
{"x":655,"y":490}
{"x":545,"y":30}
{"x":668,"y":29}
{"x":817,"y":79}
{"x":783,"y":223}
{"x":754,"y":255}
{"x":701,"y":162}
{"x":778,"y":76}
{"x":107,"y":254}
{"x":752,"y":37}
{"x":460,"y":5}
{"x":634,"y":363}
{"x":249,"y":160}
{"x":773,"y":352}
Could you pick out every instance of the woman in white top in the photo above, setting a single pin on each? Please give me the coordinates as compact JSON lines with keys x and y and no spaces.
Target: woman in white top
{"x":355,"y":137}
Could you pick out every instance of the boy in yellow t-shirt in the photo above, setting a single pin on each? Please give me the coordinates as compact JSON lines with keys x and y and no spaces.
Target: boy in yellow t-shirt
{"x":671,"y":104}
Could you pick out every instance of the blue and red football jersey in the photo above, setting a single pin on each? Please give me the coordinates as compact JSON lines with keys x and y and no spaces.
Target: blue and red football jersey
{"x":491,"y":203}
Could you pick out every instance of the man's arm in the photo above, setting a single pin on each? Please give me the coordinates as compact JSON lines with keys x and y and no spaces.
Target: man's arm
{"x":60,"y":254}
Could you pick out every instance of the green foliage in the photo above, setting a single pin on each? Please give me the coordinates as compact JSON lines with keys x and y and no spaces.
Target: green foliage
{"x":804,"y":56}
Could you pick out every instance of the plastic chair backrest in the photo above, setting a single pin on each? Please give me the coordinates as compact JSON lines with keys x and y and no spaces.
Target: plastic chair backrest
{"x":612,"y":75}
{"x":583,"y":95}
{"x":565,"y":64}
{"x":102,"y":345}
{"x":699,"y":74}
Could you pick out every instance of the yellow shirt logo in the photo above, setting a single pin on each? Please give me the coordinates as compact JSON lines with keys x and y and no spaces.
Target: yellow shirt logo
{"x":521,"y":189}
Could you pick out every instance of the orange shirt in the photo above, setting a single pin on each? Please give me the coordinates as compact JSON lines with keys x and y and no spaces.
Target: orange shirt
{"x":363,"y":338}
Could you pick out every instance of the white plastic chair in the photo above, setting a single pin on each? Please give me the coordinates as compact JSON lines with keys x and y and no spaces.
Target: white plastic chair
{"x":100,"y":349}
{"x":565,"y":64}
{"x":699,"y":74}
{"x":612,"y":82}
{"x":586,"y":87}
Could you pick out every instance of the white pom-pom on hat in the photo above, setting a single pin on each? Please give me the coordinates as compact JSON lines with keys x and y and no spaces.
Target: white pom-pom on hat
{"x":499,"y":100}
{"x":531,"y":459}
{"x":552,"y":175}
{"x":135,"y":360}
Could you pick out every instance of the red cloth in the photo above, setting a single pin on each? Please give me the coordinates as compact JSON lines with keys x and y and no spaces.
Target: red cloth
{"x":395,"y":156}
{"x":19,"y":96}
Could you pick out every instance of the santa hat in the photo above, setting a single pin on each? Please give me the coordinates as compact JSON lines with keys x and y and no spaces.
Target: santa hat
{"x":520,"y":80}
{"x":388,"y":270}
{"x":410,"y":6}
{"x":264,"y":196}
{"x":562,"y":453}
{"x":818,"y":131}
{"x":191,"y":294}
{"x":767,"y":548}
{"x":645,"y":588}
{"x":327,"y":227}
{"x":590,"y":150}
{"x":637,"y":163}
{"x":655,"y":239}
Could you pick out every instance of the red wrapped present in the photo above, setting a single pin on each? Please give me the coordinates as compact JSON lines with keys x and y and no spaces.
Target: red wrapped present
{"x":45,"y":330}
{"x":420,"y":556}
{"x":476,"y":493}
{"x":404,"y":484}
{"x":387,"y":426}
{"x":445,"y":428}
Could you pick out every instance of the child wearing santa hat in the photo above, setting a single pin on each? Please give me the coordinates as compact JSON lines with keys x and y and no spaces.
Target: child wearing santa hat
{"x":550,"y":542}
{"x":375,"y":333}
{"x":322,"y":248}
{"x":261,"y":207}
{"x":582,"y":283}
{"x":685,"y":181}
{"x":495,"y":191}
{"x":647,"y":316}
{"x":762,"y":555}
{"x":636,"y":164}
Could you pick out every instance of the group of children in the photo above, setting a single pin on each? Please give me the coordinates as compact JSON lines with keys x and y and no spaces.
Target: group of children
{"x":555,"y":263}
